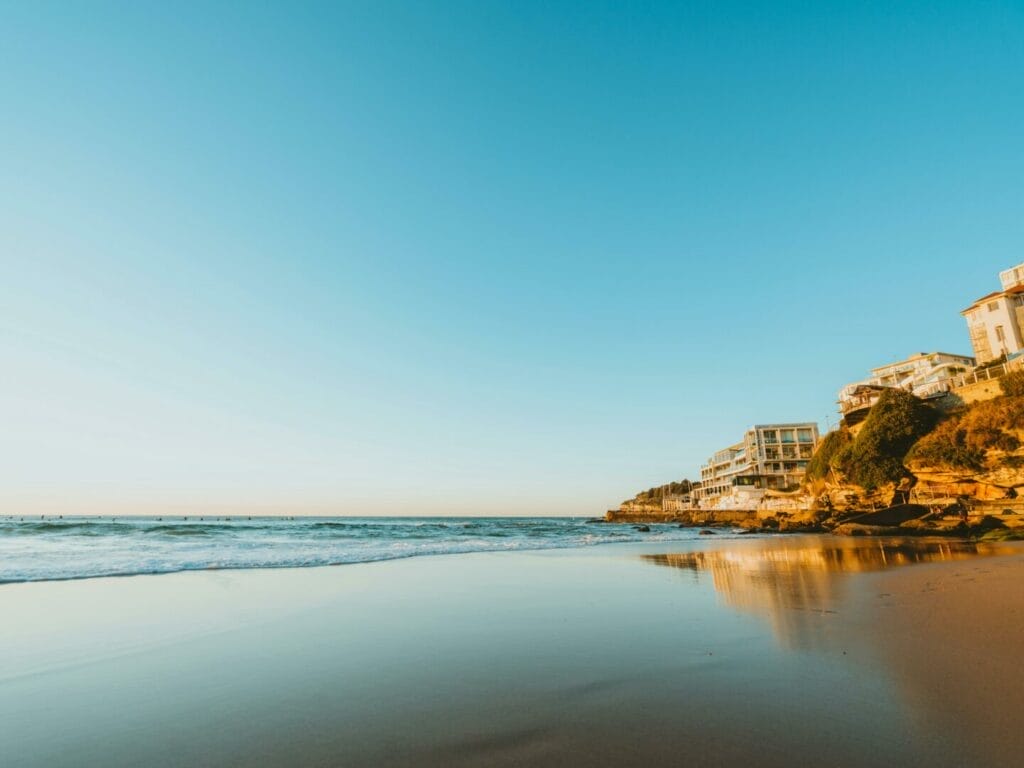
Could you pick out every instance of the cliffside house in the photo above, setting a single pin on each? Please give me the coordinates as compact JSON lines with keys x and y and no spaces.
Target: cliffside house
{"x":926,"y":374}
{"x":770,"y":456}
{"x":676,"y":502}
{"x":670,"y":503}
{"x":995,"y":321}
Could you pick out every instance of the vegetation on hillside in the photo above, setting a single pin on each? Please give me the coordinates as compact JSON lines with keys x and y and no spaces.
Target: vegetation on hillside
{"x":655,"y":495}
{"x":901,"y":429}
{"x":831,"y":445}
{"x":1012,"y":384}
{"x":948,"y":446}
{"x":964,"y":439}
{"x":875,"y":456}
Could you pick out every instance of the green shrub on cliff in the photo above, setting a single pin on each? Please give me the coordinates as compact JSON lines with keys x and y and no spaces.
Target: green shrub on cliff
{"x":1012,"y":384}
{"x":824,"y":457}
{"x":963,"y":440}
{"x":656,"y":494}
{"x":947,"y":446}
{"x":894,"y":424}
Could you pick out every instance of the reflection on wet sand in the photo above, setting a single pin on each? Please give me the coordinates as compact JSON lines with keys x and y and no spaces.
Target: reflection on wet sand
{"x":792,"y":583}
{"x":947,"y":638}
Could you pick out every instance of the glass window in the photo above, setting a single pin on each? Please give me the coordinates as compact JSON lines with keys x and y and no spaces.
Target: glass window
{"x":770,"y":436}
{"x":788,"y":436}
{"x":993,"y":306}
{"x":805,"y":435}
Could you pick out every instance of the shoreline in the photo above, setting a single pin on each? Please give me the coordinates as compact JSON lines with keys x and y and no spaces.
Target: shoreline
{"x":746,"y":651}
{"x":449,"y":547}
{"x":718,"y":528}
{"x":900,"y":520}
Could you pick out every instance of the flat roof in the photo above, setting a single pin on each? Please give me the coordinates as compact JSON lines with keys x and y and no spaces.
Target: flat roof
{"x":785,"y":425}
{"x":919,"y":356}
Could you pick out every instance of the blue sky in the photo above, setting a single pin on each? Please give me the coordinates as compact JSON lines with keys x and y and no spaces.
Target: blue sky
{"x":475,"y":257}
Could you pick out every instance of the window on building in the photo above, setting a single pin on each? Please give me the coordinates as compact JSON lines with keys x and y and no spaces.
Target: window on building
{"x":992,"y":306}
{"x":805,"y":436}
{"x":770,"y":436}
{"x":788,"y":436}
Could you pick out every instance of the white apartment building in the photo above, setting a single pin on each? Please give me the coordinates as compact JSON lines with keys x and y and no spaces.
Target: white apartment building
{"x":921,"y":372}
{"x":770,"y":456}
{"x":995,"y":321}
{"x":925,"y":374}
{"x":1012,"y":277}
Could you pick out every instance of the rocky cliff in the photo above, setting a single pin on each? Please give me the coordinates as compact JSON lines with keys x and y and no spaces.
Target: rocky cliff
{"x":910,"y":468}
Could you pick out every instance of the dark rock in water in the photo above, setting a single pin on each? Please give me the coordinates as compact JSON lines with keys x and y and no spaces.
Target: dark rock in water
{"x":987,"y":523}
{"x":642,"y":528}
{"x":684,"y":525}
{"x":789,"y":526}
{"x":856,"y":529}
{"x":596,"y":520}
{"x":890,"y":516}
{"x":707,"y":532}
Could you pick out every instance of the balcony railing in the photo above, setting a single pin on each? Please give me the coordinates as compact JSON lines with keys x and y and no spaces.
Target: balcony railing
{"x":856,"y":402}
{"x":988,"y":373}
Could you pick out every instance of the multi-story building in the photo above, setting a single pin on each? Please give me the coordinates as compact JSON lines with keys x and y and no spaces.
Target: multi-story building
{"x":995,"y":321}
{"x":770,"y":456}
{"x":925,"y":374}
{"x":921,"y":373}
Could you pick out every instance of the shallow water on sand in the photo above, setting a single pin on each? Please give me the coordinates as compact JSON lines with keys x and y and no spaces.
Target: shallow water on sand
{"x":742,"y":652}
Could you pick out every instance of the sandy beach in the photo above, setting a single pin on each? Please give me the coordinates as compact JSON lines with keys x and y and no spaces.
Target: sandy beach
{"x":774,"y":651}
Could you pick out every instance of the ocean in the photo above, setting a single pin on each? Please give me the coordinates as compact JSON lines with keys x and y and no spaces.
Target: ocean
{"x":40,"y":549}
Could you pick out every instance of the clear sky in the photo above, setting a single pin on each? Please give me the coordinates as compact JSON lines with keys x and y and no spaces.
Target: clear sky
{"x":475,"y":257}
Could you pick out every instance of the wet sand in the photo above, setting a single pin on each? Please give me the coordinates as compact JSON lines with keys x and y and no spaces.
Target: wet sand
{"x":780,"y":651}
{"x":952,"y":637}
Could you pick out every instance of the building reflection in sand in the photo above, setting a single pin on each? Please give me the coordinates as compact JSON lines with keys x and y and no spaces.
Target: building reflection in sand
{"x":795,"y":584}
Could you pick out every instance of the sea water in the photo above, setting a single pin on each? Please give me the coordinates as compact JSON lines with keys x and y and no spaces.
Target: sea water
{"x":37,"y":549}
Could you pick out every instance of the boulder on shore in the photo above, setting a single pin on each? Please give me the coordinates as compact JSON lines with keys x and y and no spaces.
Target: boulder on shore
{"x":858,"y":529}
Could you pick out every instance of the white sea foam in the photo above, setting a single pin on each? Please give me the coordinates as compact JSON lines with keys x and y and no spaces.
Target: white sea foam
{"x":70,"y":548}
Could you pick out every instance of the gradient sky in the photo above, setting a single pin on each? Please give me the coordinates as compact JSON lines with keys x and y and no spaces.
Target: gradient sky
{"x":475,"y":257}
